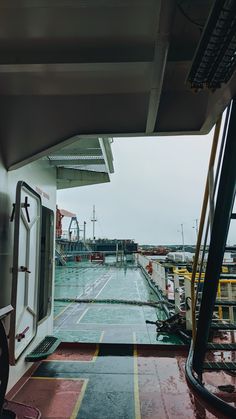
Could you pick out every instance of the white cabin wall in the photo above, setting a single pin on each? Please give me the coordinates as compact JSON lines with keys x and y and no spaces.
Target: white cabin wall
{"x":42,"y":178}
{"x":37,"y":175}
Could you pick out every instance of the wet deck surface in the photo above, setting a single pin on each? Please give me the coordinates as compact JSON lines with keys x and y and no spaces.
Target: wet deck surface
{"x":88,"y":381}
{"x":132,"y":374}
{"x":111,"y":323}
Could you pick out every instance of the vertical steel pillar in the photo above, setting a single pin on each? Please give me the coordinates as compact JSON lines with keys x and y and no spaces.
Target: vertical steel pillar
{"x":220,"y":227}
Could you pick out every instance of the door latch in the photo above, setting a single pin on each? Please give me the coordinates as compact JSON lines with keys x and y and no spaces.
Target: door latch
{"x":24,"y":269}
{"x":13,"y":212}
{"x":21,"y":335}
{"x":25,"y":205}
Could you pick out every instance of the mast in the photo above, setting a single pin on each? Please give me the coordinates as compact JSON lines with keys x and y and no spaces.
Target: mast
{"x":196,"y":226}
{"x":84,"y":231}
{"x":94,"y":221}
{"x":182,"y":234}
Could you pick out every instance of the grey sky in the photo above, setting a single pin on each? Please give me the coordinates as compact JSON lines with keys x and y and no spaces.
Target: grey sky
{"x":157,"y":185}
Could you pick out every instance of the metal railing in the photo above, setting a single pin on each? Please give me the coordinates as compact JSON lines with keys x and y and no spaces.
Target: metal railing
{"x":210,"y":291}
{"x":207,"y":213}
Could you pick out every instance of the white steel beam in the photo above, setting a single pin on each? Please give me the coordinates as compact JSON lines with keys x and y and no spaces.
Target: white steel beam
{"x":165,"y":17}
{"x":68,"y":178}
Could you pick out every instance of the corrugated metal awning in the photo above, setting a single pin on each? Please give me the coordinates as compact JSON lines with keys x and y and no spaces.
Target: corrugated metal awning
{"x":83,"y":162}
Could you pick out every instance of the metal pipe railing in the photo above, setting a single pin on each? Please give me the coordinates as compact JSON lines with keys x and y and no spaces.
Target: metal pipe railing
{"x":213,"y":196}
{"x":204,"y":210}
{"x":221,"y":222}
{"x":201,"y":225}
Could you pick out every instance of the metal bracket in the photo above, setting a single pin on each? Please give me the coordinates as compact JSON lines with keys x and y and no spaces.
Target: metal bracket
{"x":24,"y":269}
{"x":13,"y":213}
{"x":25,"y":205}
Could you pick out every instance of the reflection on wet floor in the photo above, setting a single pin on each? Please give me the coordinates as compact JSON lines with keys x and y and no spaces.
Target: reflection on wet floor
{"x":105,"y":322}
{"x":88,"y":381}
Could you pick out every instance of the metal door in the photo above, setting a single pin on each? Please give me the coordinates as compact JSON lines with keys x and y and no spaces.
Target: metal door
{"x":25,"y":271}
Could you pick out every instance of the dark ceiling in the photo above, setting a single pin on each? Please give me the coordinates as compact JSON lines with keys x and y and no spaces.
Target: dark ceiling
{"x":99,"y":67}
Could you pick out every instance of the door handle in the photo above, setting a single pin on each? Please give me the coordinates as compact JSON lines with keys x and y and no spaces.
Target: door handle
{"x":21,"y":335}
{"x":24,"y":269}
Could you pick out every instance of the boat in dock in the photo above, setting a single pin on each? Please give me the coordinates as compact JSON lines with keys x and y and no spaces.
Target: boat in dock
{"x":113,"y":340}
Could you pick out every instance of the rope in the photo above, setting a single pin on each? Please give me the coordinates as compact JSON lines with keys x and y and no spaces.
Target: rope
{"x":114,"y":301}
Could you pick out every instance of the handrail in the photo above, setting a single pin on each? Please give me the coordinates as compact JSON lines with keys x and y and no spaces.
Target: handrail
{"x":213,"y":403}
{"x":201,"y":225}
{"x":204,"y":208}
{"x":221,"y":281}
{"x":222,"y":216}
{"x":214,"y":187}
{"x":224,"y":188}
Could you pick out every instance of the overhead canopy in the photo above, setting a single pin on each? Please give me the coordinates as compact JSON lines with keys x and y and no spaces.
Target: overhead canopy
{"x":83,"y":162}
{"x":66,"y":213}
{"x":99,"y":68}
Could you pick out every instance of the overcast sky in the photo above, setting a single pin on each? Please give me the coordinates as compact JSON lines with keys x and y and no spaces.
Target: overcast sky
{"x":158,"y":185}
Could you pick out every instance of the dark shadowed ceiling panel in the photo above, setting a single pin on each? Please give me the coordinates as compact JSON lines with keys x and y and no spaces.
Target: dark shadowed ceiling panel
{"x":99,"y":67}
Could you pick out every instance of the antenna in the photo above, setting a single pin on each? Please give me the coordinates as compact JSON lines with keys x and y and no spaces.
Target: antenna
{"x":182,"y":234}
{"x":94,"y":221}
{"x":84,"y":231}
{"x":196,"y":226}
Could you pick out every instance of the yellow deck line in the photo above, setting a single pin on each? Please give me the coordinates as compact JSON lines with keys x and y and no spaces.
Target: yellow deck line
{"x":61,"y":312}
{"x":64,"y":309}
{"x":79,"y":401}
{"x":95,"y":355}
{"x":81,"y":396}
{"x":136,"y":386}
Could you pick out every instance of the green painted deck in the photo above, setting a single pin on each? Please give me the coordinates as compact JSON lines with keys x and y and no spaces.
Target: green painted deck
{"x":106,"y":322}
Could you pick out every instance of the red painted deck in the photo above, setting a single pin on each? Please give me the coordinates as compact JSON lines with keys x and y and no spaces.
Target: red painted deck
{"x":88,"y":381}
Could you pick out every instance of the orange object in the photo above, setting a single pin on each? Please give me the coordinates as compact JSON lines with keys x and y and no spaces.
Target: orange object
{"x":149,"y":268}
{"x":59,"y":217}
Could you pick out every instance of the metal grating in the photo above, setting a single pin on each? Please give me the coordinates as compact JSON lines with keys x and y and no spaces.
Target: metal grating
{"x":222,"y":346}
{"x":101,"y":168}
{"x":44,"y":349}
{"x":220,"y":366}
{"x":223,"y":326}
{"x":75,"y":157}
{"x":215,"y":60}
